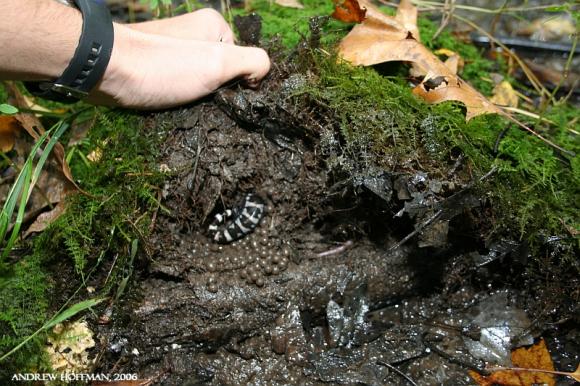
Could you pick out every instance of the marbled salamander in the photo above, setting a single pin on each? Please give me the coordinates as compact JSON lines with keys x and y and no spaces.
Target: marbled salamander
{"x":244,"y":219}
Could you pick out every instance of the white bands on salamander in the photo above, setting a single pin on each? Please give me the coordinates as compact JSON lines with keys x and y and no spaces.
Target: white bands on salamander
{"x":244,"y":219}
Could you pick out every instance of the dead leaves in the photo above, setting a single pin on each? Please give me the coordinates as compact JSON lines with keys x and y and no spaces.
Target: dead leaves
{"x":349,"y":11}
{"x":532,"y":366}
{"x":54,"y":183}
{"x":9,"y":128}
{"x":505,"y":95}
{"x":380,"y":38}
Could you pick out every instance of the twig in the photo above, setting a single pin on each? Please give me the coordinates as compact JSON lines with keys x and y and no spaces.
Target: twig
{"x":434,"y":4}
{"x":530,"y":75}
{"x":498,"y":139}
{"x":396,"y":370}
{"x":448,"y":9}
{"x":341,"y":248}
{"x":572,"y":375}
{"x":567,"y":66}
{"x":417,"y":230}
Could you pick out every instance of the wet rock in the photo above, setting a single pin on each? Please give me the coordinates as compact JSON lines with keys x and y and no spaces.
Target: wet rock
{"x":502,"y":328}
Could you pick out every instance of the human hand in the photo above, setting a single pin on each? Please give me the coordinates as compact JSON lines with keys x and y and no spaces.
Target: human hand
{"x":169,"y":62}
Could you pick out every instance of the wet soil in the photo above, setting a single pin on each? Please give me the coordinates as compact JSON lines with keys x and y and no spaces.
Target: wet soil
{"x":345,"y":281}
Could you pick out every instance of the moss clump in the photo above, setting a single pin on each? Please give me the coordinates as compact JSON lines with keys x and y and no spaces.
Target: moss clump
{"x":24,"y":297}
{"x":533,"y":191}
{"x":291,"y":24}
{"x":93,"y":236}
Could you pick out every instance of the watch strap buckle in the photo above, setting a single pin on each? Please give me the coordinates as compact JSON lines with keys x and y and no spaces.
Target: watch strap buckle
{"x":69,"y":92}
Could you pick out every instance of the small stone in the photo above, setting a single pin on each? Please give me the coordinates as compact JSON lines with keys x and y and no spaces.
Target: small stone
{"x":243,"y":274}
{"x":211,"y":266}
{"x":254,"y":276}
{"x":275,"y":270}
{"x":276,"y":259}
{"x":260,"y":282}
{"x":212,"y":288}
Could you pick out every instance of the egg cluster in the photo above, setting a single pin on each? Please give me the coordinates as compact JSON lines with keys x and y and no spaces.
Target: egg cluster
{"x":252,"y":258}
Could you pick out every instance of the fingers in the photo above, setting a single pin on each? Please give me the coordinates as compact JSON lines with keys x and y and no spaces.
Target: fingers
{"x":249,"y":63}
{"x":206,"y":24}
{"x":149,"y":71}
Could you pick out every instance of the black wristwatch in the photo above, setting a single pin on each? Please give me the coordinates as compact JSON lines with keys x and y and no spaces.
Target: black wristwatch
{"x":90,"y":59}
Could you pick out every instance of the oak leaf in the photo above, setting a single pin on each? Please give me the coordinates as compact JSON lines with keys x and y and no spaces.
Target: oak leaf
{"x":380,"y":38}
{"x":349,"y":11}
{"x":534,"y":357}
{"x":505,"y":95}
{"x":9,"y":127}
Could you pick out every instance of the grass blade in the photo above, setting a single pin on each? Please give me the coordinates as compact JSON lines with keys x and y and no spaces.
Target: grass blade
{"x":24,"y":185}
{"x":58,"y":318}
{"x":15,"y":191}
{"x":27,"y":173}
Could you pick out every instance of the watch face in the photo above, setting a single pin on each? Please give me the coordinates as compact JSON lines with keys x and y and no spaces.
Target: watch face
{"x":70,"y":3}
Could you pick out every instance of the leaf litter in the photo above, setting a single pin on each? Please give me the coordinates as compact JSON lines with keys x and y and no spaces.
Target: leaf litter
{"x":55,"y":182}
{"x":379,"y":38}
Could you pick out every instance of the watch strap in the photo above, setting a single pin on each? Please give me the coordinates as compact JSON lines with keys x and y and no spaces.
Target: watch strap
{"x":89,"y":61}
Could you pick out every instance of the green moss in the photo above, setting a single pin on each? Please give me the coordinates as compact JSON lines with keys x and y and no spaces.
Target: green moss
{"x":120,"y":186}
{"x":533,"y":191}
{"x":23,"y":306}
{"x":291,"y":24}
{"x":93,"y":236}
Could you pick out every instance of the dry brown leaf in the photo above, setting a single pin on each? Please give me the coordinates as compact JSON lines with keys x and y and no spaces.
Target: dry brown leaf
{"x":534,"y":357}
{"x":549,"y":29}
{"x":34,"y":127}
{"x":45,"y":219}
{"x":546,"y":74}
{"x":454,"y":61}
{"x":55,"y":180}
{"x":289,"y":4}
{"x":9,"y":127}
{"x":576,"y":374}
{"x":349,"y":11}
{"x":380,"y":38}
{"x":504,"y":95}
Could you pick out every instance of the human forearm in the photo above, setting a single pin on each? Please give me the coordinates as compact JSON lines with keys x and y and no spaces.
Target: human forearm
{"x":37,"y":38}
{"x":154,"y":65}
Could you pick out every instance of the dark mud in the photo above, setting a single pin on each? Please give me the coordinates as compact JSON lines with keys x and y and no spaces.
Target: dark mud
{"x":365,"y":280}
